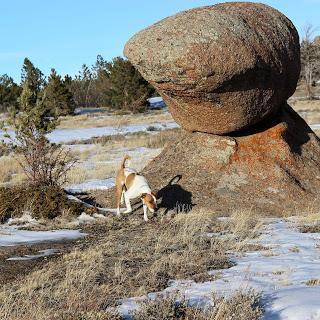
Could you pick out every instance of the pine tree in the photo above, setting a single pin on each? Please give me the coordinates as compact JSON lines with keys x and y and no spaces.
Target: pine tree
{"x":128,"y":90}
{"x":44,"y":163}
{"x":57,"y":97}
{"x":9,"y":93}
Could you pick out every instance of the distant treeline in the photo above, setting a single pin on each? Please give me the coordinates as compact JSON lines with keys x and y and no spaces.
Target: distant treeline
{"x":118,"y":85}
{"x":114,"y":84}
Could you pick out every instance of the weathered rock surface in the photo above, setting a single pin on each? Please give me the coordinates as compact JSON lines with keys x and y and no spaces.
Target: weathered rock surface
{"x":220,"y":68}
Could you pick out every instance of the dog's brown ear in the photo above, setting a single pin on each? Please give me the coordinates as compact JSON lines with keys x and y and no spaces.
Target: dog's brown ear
{"x":143,"y":195}
{"x":153,"y":194}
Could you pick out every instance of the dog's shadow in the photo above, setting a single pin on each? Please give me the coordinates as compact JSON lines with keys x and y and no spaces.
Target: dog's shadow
{"x":174,"y":197}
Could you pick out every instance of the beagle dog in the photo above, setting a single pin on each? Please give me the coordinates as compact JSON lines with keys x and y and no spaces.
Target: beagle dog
{"x":129,"y":185}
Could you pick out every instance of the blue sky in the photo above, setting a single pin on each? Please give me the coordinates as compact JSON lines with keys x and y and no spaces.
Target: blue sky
{"x":64,"y":34}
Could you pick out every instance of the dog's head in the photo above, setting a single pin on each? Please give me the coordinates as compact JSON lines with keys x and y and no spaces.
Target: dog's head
{"x":149,"y":199}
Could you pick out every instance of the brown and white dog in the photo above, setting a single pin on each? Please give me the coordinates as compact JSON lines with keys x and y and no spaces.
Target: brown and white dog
{"x":130,"y":185}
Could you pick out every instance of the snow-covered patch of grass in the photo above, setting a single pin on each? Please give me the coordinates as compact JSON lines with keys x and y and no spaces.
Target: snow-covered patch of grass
{"x":13,"y":236}
{"x":96,"y":184}
{"x":40,"y":254}
{"x":241,"y":306}
{"x":66,"y":135}
{"x":283,"y":277}
{"x":94,"y":172}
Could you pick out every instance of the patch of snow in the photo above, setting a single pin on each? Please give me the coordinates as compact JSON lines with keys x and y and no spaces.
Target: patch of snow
{"x":26,"y":219}
{"x":12,"y":236}
{"x":67,"y":135}
{"x":40,"y":254}
{"x":96,"y":184}
{"x":79,"y":111}
{"x":156,"y":102}
{"x":279,"y":273}
{"x":80,"y":147}
{"x":315,"y":126}
{"x":83,"y":218}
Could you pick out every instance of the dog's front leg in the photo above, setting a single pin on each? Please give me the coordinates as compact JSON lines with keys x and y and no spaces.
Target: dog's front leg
{"x":145,"y":211}
{"x":128,"y":204}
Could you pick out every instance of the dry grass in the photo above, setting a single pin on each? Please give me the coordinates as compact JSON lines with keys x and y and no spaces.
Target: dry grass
{"x":308,"y":109}
{"x":131,"y":259}
{"x":137,"y":139}
{"x":309,"y":221}
{"x":243,"y":226}
{"x":313,"y":282}
{"x":102,"y":120}
{"x":68,"y":291}
{"x":10,"y":171}
{"x":241,"y":306}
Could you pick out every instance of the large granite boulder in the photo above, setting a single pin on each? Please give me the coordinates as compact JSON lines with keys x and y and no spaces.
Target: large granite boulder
{"x":220,"y":68}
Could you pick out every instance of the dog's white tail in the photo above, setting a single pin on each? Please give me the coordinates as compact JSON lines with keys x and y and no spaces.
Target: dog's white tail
{"x":123,"y":162}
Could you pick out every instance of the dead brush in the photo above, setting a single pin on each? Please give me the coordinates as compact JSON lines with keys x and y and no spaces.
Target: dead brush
{"x":69,"y":290}
{"x":309,"y":221}
{"x":240,"y":306}
{"x":243,"y":226}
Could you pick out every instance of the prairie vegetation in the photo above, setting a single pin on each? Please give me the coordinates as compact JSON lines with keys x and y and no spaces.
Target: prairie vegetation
{"x":132,"y":258}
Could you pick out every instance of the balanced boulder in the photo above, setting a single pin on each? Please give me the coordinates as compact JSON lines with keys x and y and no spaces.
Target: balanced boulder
{"x":220,"y":68}
{"x":229,"y":69}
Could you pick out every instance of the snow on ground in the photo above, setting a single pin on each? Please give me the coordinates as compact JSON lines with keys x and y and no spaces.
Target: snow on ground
{"x":280,"y":273}
{"x":140,"y":156}
{"x":12,"y":236}
{"x":67,"y":135}
{"x":40,"y":254}
{"x":315,"y":126}
{"x":95,"y":184}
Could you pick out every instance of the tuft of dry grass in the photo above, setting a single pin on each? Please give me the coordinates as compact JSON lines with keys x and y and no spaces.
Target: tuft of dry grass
{"x":10,"y":171}
{"x":69,"y":290}
{"x":243,"y":226}
{"x":309,"y":221}
{"x":241,"y":306}
{"x":313,"y":282}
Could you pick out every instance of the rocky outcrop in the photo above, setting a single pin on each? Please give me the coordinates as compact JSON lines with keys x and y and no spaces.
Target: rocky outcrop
{"x":228,"y":69}
{"x":271,"y":169}
{"x":220,"y":68}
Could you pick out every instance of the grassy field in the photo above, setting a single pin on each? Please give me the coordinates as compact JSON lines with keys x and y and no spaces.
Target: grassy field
{"x":125,"y":258}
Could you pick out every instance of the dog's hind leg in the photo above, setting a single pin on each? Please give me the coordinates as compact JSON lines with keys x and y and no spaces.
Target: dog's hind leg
{"x":119,"y":189}
{"x":128,"y":204}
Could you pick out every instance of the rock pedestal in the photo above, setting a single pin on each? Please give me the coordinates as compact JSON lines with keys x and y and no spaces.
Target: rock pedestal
{"x":225,"y":72}
{"x":271,"y":169}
